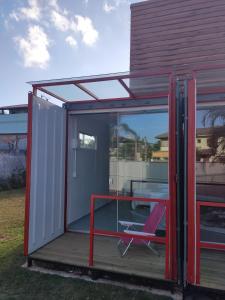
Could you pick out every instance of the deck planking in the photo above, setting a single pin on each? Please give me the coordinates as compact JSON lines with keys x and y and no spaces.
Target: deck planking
{"x":73,"y":249}
{"x":212,"y":269}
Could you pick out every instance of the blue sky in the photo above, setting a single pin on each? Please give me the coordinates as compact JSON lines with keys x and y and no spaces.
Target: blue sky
{"x":42,"y":39}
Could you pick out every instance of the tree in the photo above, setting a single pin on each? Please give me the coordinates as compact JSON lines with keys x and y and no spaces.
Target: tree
{"x":216,"y":140}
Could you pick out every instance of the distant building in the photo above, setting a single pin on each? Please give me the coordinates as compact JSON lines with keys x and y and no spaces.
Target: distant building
{"x":162,"y":153}
{"x":13,"y":128}
{"x":209,"y":144}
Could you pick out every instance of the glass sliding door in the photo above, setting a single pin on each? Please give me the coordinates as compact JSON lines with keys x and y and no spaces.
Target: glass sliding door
{"x":206,"y":183}
{"x":125,"y":154}
{"x":210,"y":195}
{"x":142,"y":162}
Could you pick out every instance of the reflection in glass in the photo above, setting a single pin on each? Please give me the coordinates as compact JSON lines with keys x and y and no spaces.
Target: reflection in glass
{"x":69,"y":92}
{"x":107,"y":89}
{"x":87,"y":141}
{"x":210,"y":154}
{"x":142,"y":163}
{"x":212,"y":222}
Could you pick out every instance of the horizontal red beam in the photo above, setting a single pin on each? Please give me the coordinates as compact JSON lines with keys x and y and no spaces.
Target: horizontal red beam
{"x":217,"y":246}
{"x":128,"y":198}
{"x":147,"y":97}
{"x":157,"y":239}
{"x":213,"y":204}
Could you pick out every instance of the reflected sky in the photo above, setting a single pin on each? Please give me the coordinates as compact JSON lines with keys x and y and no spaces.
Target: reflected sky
{"x":200,"y":118}
{"x":147,"y":125}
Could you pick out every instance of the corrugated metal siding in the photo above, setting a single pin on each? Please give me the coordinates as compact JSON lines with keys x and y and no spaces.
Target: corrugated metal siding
{"x":175,"y":33}
{"x":47,"y":173}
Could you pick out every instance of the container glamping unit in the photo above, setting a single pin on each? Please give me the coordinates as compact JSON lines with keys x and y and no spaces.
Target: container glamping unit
{"x":127,"y":176}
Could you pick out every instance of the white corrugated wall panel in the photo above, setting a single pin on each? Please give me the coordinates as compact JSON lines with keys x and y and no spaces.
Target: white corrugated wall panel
{"x":46,"y":220}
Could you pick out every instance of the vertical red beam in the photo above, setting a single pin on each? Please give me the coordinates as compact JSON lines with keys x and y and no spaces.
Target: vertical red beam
{"x":91,"y":252}
{"x":198,"y":238}
{"x":66,"y":171}
{"x":191,"y":157}
{"x":28,"y":174}
{"x":172,"y":182}
{"x":167,"y":258}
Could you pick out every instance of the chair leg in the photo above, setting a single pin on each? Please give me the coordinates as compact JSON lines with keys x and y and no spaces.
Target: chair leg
{"x":122,"y":253}
{"x":128,"y":246}
{"x":119,"y":242}
{"x":152,"y":249}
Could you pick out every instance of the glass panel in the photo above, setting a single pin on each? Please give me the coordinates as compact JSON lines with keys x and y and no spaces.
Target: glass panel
{"x":106,"y":214}
{"x":212,"y":222}
{"x":210,"y":154}
{"x":127,"y":161}
{"x":107,"y":89}
{"x":212,"y":269}
{"x":142,"y":163}
{"x":210,"y":181}
{"x":147,"y":85}
{"x":69,"y":92}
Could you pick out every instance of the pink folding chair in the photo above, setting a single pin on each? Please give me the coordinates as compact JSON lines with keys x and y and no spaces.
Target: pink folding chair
{"x":148,"y":229}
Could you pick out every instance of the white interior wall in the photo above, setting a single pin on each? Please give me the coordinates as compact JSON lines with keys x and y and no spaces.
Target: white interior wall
{"x":88,"y":169}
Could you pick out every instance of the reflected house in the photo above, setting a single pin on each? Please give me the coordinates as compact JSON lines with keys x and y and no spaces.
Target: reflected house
{"x":209,"y":145}
{"x":163,"y":153}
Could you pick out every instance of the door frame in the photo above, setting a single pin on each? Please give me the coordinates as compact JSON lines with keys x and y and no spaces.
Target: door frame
{"x":191,"y":181}
{"x":171,"y":264}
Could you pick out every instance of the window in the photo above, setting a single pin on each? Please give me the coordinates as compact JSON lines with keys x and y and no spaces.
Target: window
{"x":199,"y":141}
{"x":87,"y":141}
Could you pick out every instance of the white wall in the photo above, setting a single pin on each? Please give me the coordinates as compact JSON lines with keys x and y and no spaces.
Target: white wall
{"x":88,"y":170}
{"x":123,"y":171}
{"x":210,"y":172}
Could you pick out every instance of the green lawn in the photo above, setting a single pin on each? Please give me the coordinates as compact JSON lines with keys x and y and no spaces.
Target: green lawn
{"x":19,"y":283}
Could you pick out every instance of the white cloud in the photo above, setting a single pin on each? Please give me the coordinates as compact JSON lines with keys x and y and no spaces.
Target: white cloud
{"x":85,"y":27}
{"x":32,"y":12}
{"x":34,"y":48}
{"x":108,"y":7}
{"x":60,"y":21}
{"x":71,"y":41}
{"x":54,"y":4}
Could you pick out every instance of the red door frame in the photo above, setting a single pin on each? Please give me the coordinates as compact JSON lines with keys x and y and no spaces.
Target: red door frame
{"x":28,"y":174}
{"x":191,"y":183}
{"x":172,"y":180}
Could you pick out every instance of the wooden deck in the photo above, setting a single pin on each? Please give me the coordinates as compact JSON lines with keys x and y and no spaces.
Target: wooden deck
{"x":212,"y":269}
{"x":73,"y":249}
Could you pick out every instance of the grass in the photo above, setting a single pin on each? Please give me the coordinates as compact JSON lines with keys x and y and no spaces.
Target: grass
{"x":19,"y":283}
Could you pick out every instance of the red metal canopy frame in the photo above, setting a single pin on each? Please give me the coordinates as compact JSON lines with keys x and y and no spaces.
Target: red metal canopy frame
{"x":119,"y":78}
